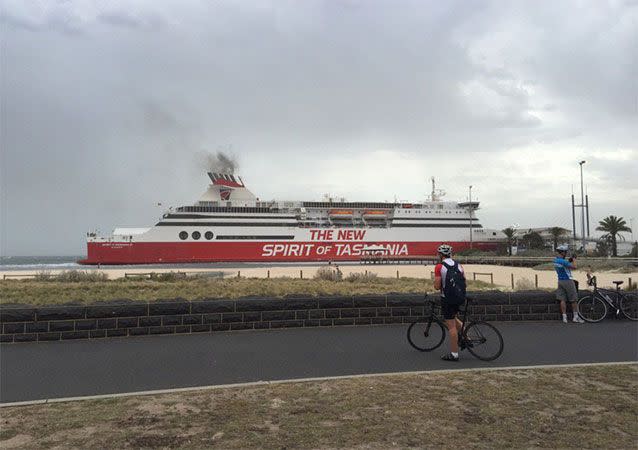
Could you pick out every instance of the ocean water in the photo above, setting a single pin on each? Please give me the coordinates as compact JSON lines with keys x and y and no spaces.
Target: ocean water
{"x":39,"y":262}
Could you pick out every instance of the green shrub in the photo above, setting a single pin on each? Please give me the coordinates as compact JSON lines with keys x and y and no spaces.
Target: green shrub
{"x":42,"y":275}
{"x":78,"y":276}
{"x":168,"y":276}
{"x":525,"y":284}
{"x":362,"y":277}
{"x":328,"y":274}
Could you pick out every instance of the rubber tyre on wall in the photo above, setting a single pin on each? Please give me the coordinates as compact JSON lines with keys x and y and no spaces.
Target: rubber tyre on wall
{"x":592,"y":309}
{"x":426,"y":334}
{"x":484,"y":341}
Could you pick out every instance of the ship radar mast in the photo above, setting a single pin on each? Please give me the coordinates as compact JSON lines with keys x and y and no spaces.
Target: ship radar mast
{"x":436,"y":194}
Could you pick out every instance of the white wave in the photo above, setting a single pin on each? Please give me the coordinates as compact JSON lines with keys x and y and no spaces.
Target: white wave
{"x":39,"y":266}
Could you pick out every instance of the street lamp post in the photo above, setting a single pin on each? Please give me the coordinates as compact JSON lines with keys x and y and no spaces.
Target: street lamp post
{"x":582,"y":205}
{"x":631,"y":224}
{"x":470,"y":216}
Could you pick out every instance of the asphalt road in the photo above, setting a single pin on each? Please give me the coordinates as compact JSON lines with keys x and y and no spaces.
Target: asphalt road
{"x":68,"y":369}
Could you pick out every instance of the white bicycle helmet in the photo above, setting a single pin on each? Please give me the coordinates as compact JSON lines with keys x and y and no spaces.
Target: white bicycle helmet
{"x":562,"y":248}
{"x":445,"y":250}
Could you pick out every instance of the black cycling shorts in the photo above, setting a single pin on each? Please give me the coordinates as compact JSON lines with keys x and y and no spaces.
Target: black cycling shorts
{"x":448,"y":310}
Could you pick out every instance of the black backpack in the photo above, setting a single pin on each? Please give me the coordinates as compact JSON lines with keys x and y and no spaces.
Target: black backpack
{"x":454,"y":288}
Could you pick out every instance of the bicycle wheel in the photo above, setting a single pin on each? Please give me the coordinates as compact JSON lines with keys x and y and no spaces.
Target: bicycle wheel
{"x":592,"y":309}
{"x":629,"y":305}
{"x":426,"y":334}
{"x":483,"y":340}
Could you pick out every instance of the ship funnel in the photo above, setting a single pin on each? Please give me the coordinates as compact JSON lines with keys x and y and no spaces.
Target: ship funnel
{"x":226,"y":179}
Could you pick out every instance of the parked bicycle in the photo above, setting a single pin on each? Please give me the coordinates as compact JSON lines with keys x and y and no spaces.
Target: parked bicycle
{"x":481,"y":339}
{"x":593,"y":308}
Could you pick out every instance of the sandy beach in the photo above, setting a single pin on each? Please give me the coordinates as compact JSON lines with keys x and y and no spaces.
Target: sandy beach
{"x":501,"y":276}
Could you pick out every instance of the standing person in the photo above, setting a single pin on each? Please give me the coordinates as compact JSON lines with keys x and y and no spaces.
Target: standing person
{"x":449,"y":278}
{"x":566,"y":291}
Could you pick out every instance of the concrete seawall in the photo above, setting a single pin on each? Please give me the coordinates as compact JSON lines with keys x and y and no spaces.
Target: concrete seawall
{"x":24,"y":323}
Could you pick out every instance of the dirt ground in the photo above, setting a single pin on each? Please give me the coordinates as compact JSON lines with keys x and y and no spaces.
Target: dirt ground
{"x":584,"y":407}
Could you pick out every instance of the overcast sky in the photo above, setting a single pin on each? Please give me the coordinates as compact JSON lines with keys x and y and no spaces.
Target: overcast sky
{"x":107,"y":107}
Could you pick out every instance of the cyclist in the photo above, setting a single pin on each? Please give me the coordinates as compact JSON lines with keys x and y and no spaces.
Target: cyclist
{"x":566,"y":287}
{"x":447,"y":274}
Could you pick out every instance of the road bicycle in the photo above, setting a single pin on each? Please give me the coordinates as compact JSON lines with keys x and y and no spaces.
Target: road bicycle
{"x":481,"y":339}
{"x":593,"y":308}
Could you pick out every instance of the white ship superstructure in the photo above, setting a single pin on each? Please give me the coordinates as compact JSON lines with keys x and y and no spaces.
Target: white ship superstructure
{"x":229,"y":223}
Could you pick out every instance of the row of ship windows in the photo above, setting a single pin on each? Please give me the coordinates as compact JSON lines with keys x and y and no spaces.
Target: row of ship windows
{"x":226,"y":209}
{"x":196,"y":235}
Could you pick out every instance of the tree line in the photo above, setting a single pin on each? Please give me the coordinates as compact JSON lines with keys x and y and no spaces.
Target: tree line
{"x":612,"y":226}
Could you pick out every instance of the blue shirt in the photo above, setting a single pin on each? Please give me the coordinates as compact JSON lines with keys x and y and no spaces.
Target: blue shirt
{"x":562,"y":266}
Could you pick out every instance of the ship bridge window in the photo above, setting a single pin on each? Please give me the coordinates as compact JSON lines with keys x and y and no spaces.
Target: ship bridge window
{"x":196,"y":235}
{"x":183,"y":235}
{"x":208,"y":235}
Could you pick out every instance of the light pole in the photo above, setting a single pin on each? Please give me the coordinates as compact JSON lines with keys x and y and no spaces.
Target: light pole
{"x":635,"y":242}
{"x":470,"y":216}
{"x":582,"y":205}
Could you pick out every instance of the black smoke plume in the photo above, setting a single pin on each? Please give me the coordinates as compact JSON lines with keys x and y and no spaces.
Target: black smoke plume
{"x":221,"y":162}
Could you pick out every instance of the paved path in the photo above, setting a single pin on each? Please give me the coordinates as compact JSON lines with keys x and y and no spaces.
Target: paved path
{"x":68,"y":369}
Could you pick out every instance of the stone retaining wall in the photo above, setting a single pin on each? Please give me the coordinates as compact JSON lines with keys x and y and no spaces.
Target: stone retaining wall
{"x":23,"y":323}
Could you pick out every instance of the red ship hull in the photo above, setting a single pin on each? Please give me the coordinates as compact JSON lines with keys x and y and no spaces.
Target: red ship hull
{"x":116,"y":253}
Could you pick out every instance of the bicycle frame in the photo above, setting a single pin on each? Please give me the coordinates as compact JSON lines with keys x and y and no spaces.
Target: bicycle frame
{"x":609,"y":296}
{"x":464,"y":310}
{"x":604,"y":294}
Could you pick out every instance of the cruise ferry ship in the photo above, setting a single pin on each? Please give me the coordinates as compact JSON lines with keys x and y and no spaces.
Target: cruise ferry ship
{"x":229,"y":223}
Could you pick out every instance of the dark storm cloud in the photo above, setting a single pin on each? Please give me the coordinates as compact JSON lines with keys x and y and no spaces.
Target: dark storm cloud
{"x":107,"y":108}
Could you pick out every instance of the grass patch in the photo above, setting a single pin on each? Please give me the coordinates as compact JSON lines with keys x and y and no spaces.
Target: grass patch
{"x":71,"y":276}
{"x":584,"y":407}
{"x":617,"y":266}
{"x":47,"y":292}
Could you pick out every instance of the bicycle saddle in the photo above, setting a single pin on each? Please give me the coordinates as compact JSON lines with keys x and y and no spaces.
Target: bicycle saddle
{"x":618,"y":283}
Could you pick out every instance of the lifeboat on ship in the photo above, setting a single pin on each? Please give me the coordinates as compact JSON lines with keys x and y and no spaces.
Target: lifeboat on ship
{"x":341,"y":214}
{"x":375,"y":214}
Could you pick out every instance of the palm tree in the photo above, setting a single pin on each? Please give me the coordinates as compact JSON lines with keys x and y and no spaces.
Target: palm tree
{"x":613,"y":226}
{"x":602,"y":247}
{"x":509,"y":233}
{"x":556,"y":233}
{"x":533,"y":240}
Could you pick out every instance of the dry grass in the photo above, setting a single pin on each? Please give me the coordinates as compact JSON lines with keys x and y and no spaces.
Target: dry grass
{"x":585,"y":407}
{"x":612,"y":265}
{"x":524,"y":284}
{"x":56,"y":292}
